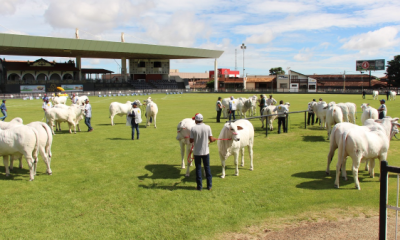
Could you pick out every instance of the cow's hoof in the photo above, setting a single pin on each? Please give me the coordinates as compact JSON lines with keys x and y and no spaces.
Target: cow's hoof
{"x":327,"y":173}
{"x":74,"y":132}
{"x":187,"y":175}
{"x":251,"y":169}
{"x":358,"y":188}
{"x":236,"y":174}
{"x":336,"y":186}
{"x":30,"y":180}
{"x":242,"y":165}
{"x":50,"y":173}
{"x":183,"y":167}
{"x":222,"y":176}
{"x":7,"y":175}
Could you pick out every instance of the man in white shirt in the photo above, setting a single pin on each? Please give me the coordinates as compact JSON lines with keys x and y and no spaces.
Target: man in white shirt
{"x":232,"y":108}
{"x":282,"y":110}
{"x":134,"y":118}
{"x":46,"y":104}
{"x":382,"y":109}
{"x":199,"y":136}
{"x":88,"y":115}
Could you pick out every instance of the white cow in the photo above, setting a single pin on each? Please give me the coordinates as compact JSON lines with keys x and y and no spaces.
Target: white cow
{"x":59,"y":100}
{"x":243,"y":106}
{"x":225,"y":107}
{"x":22,"y":140}
{"x":268,"y":110}
{"x":392,"y":95}
{"x":240,"y":135}
{"x":8,"y":125}
{"x":253,"y":109}
{"x":334,"y":115}
{"x":320,"y":110}
{"x":375,"y":94}
{"x":183,"y":136}
{"x":368,"y":113}
{"x":80,"y":117}
{"x":120,"y":109}
{"x":351,"y":114}
{"x":151,"y":111}
{"x":365,"y":142}
{"x":72,"y":115}
{"x":81,"y":100}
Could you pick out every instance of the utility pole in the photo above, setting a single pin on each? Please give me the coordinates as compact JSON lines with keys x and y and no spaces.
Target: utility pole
{"x":344,"y":81}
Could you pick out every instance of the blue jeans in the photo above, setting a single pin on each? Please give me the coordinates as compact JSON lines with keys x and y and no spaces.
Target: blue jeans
{"x":232,"y":114}
{"x":206,"y":164}
{"x":5,"y":115}
{"x":87,"y":122}
{"x":135,"y":126}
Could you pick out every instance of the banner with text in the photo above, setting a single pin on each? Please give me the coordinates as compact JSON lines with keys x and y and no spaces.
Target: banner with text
{"x":32,"y":88}
{"x":72,"y":88}
{"x":370,"y":65}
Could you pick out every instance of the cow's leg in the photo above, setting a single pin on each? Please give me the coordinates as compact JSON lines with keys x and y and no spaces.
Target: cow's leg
{"x":223,"y":165}
{"x":20,"y":161}
{"x":250,"y":147}
{"x":236,"y":161}
{"x":182,"y":145}
{"x":51,"y":126}
{"x":79,"y":128}
{"x":330,"y":156}
{"x":112,"y":120}
{"x":45,"y":157}
{"x":242,"y":156}
{"x":367,"y":165}
{"x":5,"y":161}
{"x":48,"y":154}
{"x":356,"y":165}
{"x":154,"y":119}
{"x":262,"y":122}
{"x":70,"y":126}
{"x":371,"y":167}
{"x":31,"y":167}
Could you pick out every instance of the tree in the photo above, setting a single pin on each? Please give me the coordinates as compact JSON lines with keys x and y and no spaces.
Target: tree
{"x":210,"y":84}
{"x":393,"y":71}
{"x":276,"y":71}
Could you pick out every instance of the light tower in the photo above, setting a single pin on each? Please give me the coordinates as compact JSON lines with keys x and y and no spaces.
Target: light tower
{"x":244,"y":79}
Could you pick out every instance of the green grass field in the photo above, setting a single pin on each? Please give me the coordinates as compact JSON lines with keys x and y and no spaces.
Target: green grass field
{"x":105,"y":185}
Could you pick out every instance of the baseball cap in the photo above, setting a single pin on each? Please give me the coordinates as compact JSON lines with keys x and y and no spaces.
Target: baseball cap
{"x":134,"y":103}
{"x":314,"y":99}
{"x":198,"y":117}
{"x":195,"y":116}
{"x":383,"y":100}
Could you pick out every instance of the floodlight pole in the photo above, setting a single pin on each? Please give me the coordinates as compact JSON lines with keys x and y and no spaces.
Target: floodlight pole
{"x":244,"y":79}
{"x":362,"y":81}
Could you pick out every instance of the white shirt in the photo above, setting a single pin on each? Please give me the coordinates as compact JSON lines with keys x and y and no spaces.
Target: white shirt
{"x":88,"y":110}
{"x":281,"y":109}
{"x":74,"y":100}
{"x":46,"y":106}
{"x":216,"y":105}
{"x":200,"y":133}
{"x":232,"y":104}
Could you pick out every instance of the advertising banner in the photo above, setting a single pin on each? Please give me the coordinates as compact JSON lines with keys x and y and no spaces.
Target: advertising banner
{"x":72,"y":88}
{"x":370,"y":65}
{"x":32,"y":88}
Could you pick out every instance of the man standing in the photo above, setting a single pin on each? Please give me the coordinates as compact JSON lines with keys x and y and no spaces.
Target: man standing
{"x":3,"y":110}
{"x":46,"y":104}
{"x":199,"y":136}
{"x":262,"y":103}
{"x":74,"y":99}
{"x":218,"y":107}
{"x":282,"y":110}
{"x":363,"y":94}
{"x":387,"y":95}
{"x":382,"y":109}
{"x":88,"y":115}
{"x":232,"y":108}
{"x":133,"y":119}
{"x":311,"y":113}
{"x":271,"y":101}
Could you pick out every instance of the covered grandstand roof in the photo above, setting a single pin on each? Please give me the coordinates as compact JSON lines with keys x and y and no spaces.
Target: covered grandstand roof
{"x":11,"y":44}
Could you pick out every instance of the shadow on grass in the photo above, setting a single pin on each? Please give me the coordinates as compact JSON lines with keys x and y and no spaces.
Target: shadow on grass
{"x":323,"y":181}
{"x":313,"y":139}
{"x":16,"y":172}
{"x":128,"y":138}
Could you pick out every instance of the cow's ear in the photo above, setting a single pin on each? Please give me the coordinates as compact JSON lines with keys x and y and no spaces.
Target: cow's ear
{"x":367,"y":104}
{"x":239,"y":128}
{"x":395,"y":119}
{"x":325,"y":107}
{"x":378,"y":120}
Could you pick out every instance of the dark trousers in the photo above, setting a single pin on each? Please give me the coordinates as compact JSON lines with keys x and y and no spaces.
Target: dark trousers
{"x":206,"y":164}
{"x":381,"y":116}
{"x":87,"y":122}
{"x":363,"y":96}
{"x":232,"y":114}
{"x":219,"y":115}
{"x":310,"y":117}
{"x":135,"y":126}
{"x":282,"y":121}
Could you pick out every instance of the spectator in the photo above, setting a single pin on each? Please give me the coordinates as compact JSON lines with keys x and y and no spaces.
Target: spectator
{"x":282,"y":110}
{"x":88,"y":115}
{"x":262,"y":102}
{"x":134,"y":118}
{"x":3,"y":110}
{"x":382,"y":109}
{"x":232,"y":108}
{"x":219,"y":109}
{"x":311,"y":114}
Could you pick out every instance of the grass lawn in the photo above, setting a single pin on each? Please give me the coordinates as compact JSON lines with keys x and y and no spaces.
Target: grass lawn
{"x":105,"y":185}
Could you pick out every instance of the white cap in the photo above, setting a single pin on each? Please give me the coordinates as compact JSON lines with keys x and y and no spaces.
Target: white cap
{"x":198,"y":117}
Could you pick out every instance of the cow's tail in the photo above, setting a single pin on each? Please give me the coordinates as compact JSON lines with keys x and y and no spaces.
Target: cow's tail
{"x":36,"y":149}
{"x":49,"y":138}
{"x":343,"y":143}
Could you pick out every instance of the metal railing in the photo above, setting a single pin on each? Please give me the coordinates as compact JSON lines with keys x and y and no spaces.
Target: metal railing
{"x":383,"y":199}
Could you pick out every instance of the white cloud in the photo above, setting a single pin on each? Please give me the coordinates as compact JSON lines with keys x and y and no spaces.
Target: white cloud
{"x":95,"y":16}
{"x":9,"y":7}
{"x":274,"y":7}
{"x":265,"y":37}
{"x":371,"y":42}
{"x":304,"y":54}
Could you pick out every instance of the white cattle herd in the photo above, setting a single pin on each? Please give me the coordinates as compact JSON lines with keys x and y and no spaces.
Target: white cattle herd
{"x":362,"y":143}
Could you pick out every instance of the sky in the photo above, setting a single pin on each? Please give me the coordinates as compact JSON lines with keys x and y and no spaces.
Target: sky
{"x":307,"y":36}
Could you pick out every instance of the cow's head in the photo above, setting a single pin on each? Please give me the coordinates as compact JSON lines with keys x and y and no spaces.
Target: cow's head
{"x":233,"y":131}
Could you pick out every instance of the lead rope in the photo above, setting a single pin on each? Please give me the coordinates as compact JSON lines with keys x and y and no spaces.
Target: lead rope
{"x":190,"y":156}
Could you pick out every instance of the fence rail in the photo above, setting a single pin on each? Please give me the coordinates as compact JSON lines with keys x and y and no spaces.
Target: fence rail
{"x":383,"y":199}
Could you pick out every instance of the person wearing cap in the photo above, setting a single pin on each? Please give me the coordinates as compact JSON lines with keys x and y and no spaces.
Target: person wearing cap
{"x":74,"y":99}
{"x":387,"y":95}
{"x":271,"y":101}
{"x":363,"y":94}
{"x":232,"y":108}
{"x":262,"y":102}
{"x":382,"y":109}
{"x":88,"y":115}
{"x":46,"y":104}
{"x":3,"y":110}
{"x":133,"y":120}
{"x":200,"y":134}
{"x":282,"y":110}
{"x":218,"y":107}
{"x":311,"y":114}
